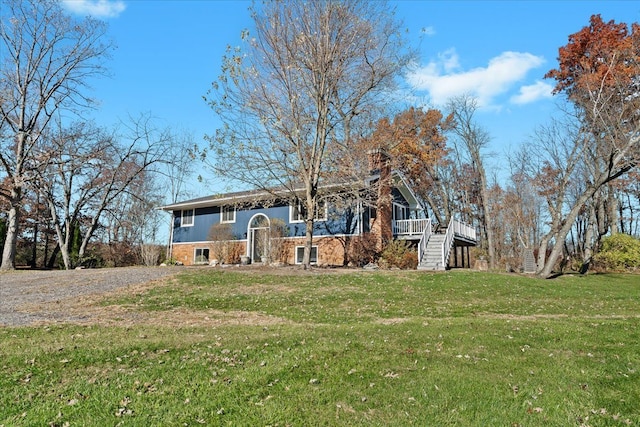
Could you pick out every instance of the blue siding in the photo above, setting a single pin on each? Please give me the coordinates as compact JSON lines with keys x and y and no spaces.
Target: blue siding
{"x":337,"y":223}
{"x":203,"y":219}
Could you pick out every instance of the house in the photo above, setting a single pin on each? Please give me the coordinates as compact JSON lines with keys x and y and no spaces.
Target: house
{"x":269,"y":226}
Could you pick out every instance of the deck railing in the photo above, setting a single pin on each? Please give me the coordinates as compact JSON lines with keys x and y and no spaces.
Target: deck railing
{"x":456,"y":229}
{"x":423,"y":228}
{"x":448,"y":242}
{"x":460,"y":229}
{"x":410,"y":227}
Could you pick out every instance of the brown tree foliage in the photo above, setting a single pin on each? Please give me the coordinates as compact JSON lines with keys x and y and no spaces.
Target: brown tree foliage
{"x":416,"y":141}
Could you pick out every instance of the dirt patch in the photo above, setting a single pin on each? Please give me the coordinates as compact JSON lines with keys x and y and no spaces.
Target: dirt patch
{"x":77,"y":297}
{"x":526,"y":317}
{"x":36,"y":297}
{"x":89,"y":310}
{"x":261,"y":289}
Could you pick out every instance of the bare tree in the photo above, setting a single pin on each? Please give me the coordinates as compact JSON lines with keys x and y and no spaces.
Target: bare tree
{"x":292,"y":99}
{"x":628,"y":194}
{"x":176,"y":172}
{"x":474,"y":139}
{"x":136,"y":211}
{"x":85,"y":171}
{"x":574,"y":177}
{"x":518,"y":213}
{"x":47,"y":61}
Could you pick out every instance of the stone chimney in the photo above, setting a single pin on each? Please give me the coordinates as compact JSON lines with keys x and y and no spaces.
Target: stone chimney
{"x":381,"y":228}
{"x":378,"y":160}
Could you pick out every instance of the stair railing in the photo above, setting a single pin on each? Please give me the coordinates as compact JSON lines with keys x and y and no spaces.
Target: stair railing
{"x":448,"y":241}
{"x":426,"y":233}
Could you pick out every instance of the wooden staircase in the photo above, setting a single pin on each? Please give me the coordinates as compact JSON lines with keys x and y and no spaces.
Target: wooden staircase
{"x":432,"y":258}
{"x":434,"y":249}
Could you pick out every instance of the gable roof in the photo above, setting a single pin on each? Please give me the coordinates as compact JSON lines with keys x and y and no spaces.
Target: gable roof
{"x":253,"y":196}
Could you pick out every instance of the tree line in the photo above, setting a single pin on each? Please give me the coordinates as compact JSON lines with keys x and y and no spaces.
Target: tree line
{"x":64,"y":180}
{"x":312,"y":88}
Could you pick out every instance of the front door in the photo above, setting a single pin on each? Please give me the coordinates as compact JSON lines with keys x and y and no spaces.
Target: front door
{"x":258,"y":237}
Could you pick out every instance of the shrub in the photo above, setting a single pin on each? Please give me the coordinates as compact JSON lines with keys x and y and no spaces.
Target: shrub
{"x":361,"y":250}
{"x":150,"y":253}
{"x":400,"y":254}
{"x":234,"y":251}
{"x":277,"y":231}
{"x":222,"y":238}
{"x":619,"y":252}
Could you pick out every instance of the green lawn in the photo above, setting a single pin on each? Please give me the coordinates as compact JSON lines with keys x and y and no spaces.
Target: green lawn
{"x":360,"y":348}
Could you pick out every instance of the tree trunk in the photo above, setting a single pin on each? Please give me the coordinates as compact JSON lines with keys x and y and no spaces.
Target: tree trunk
{"x":589,"y":234}
{"x":488,"y":217}
{"x":306,"y":260}
{"x":63,"y":244}
{"x":11,"y":241}
{"x":612,"y":205}
{"x":542,"y":253}
{"x":561,"y":235}
{"x":9,"y":252}
{"x":51,"y":263}
{"x":34,"y":246}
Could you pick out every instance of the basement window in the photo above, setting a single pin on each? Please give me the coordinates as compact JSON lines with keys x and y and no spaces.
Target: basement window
{"x":201,"y":256}
{"x":300,"y":254}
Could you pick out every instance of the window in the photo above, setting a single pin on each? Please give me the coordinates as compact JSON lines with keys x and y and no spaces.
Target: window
{"x":186,"y":218}
{"x":298,"y":211}
{"x":300,"y":254}
{"x":228,"y":214}
{"x":400,"y":212}
{"x":201,"y":256}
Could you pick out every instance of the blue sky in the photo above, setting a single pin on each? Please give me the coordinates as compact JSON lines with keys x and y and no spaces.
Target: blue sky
{"x":169,"y":53}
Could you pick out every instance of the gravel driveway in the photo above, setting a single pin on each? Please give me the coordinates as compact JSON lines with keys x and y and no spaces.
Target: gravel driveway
{"x":49,"y":290}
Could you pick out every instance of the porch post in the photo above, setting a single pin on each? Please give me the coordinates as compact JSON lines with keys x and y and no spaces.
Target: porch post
{"x":468,"y":258}
{"x":455,"y":256}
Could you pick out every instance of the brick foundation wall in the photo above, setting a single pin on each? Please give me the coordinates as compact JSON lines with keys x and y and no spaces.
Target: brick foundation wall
{"x":330,"y":250}
{"x":184,"y":252}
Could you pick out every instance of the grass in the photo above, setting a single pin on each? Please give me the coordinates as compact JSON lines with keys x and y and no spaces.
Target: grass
{"x":364,"y":349}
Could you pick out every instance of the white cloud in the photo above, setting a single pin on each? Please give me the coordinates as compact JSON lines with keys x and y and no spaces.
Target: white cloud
{"x":443,"y":79}
{"x":450,"y":61}
{"x":532,"y":93}
{"x":95,"y":8}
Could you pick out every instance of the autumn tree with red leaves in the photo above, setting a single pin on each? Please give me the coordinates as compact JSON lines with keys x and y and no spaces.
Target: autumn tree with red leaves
{"x":598,"y":72}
